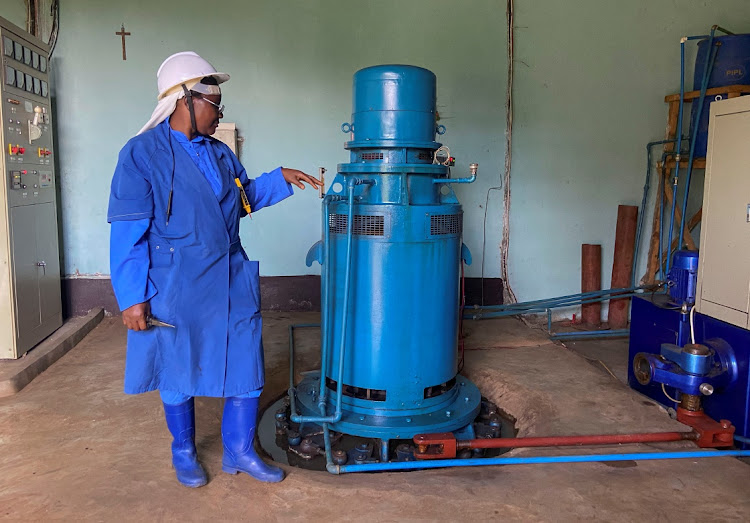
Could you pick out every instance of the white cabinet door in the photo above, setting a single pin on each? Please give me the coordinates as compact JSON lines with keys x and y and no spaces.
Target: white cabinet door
{"x":725,"y":230}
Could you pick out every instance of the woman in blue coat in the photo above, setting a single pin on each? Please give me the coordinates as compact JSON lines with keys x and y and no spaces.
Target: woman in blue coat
{"x":176,"y":200}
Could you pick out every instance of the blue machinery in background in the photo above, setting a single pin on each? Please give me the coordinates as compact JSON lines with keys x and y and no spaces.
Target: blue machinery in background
{"x":391,"y":223}
{"x":688,"y":361}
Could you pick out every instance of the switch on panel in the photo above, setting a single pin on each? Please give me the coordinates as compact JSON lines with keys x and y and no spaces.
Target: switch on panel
{"x":15,"y":179}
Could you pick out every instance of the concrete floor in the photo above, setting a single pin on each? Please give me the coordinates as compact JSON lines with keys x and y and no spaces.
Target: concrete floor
{"x":73,"y":447}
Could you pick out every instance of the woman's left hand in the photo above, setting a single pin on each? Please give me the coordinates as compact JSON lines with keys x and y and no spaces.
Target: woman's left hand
{"x":297,"y":177}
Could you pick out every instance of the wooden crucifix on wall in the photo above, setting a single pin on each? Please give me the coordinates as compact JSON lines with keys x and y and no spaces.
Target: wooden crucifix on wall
{"x":123,"y":34}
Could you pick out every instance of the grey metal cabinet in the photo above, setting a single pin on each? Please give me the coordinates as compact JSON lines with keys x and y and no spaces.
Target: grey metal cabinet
{"x":30,"y":304}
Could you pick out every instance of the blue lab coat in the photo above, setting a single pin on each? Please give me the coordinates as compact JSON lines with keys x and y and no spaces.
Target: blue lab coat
{"x":200,"y":276}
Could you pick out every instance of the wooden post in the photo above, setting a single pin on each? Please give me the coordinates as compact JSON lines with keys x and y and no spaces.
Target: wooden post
{"x":591,"y":280}
{"x":622,"y":265}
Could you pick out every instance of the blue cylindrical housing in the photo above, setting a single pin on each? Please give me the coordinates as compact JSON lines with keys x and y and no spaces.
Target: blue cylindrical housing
{"x":683,"y":277}
{"x":393,"y":106}
{"x":400,"y":349}
{"x":731,"y":67}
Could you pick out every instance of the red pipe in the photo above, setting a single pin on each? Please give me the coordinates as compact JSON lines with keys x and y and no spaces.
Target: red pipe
{"x":564,"y":441}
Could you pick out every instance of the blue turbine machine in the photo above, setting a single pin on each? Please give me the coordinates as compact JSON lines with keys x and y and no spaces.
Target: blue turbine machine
{"x":391,"y":259}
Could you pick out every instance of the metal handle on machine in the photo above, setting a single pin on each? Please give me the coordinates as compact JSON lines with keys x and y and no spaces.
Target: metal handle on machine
{"x":321,"y":176}
{"x":43,"y":265}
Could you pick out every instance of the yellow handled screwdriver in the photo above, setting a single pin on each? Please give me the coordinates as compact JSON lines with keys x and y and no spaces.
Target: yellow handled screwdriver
{"x":243,"y":196}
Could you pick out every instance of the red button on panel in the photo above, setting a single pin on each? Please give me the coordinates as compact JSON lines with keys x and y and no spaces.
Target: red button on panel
{"x":21,"y":150}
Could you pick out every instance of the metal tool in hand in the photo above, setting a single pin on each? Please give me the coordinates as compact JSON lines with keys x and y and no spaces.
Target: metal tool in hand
{"x":153,"y":322}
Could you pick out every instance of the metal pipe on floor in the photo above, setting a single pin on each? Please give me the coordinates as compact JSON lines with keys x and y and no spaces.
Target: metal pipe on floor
{"x":572,"y":441}
{"x":527,"y":460}
{"x":580,"y":335}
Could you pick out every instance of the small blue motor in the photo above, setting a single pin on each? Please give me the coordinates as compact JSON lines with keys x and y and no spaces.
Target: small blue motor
{"x":683,"y":277}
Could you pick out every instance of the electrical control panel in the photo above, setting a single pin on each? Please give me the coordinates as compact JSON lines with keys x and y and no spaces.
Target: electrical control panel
{"x":723,"y":272}
{"x":30,"y":303}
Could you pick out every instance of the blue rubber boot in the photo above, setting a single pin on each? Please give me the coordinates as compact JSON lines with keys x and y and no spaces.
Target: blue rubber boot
{"x":238,"y":434}
{"x":181,"y":423}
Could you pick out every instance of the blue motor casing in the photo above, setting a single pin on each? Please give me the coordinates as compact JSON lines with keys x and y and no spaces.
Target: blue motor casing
{"x":400,"y":349}
{"x":655,"y":321}
{"x":683,"y":277}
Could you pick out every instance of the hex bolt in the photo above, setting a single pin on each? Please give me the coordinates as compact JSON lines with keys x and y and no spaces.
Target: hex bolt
{"x":293,"y":438}
{"x":339,"y":457}
{"x":448,"y":413}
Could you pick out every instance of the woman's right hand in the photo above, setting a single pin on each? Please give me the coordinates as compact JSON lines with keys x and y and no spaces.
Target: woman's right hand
{"x":134,"y":317}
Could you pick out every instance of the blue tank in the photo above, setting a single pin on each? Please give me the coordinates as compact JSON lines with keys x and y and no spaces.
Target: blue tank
{"x":731,"y":67}
{"x":390,"y":278}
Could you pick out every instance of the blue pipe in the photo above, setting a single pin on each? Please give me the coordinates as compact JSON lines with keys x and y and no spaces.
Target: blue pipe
{"x":556,"y":304}
{"x":742,"y":440}
{"x":565,"y":302}
{"x":325,"y":311}
{"x":577,"y":296}
{"x":661,"y":224}
{"x":543,"y":308}
{"x":336,"y":417}
{"x":646,"y":189}
{"x":536,"y":310}
{"x":707,"y":69}
{"x":678,"y":148}
{"x":470,"y":179}
{"x":345,"y":307}
{"x":616,"y":333}
{"x":526,"y":460}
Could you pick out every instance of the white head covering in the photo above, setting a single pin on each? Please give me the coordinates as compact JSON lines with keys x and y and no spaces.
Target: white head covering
{"x":185,"y":68}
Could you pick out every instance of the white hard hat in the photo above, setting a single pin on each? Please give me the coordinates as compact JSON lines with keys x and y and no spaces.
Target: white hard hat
{"x":182,"y":68}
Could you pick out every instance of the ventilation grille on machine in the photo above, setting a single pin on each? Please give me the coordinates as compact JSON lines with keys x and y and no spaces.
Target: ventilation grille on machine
{"x":441,"y":224}
{"x":371,"y":156}
{"x":425,"y":156}
{"x":358,"y":392}
{"x":437,"y":390}
{"x":363,"y":225}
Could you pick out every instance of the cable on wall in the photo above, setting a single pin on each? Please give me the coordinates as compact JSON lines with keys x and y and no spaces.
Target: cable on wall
{"x":510,"y":296}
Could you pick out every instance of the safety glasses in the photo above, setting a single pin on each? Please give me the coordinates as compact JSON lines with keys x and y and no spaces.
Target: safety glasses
{"x":219,"y":108}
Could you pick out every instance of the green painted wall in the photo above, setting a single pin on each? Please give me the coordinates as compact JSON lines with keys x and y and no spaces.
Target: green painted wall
{"x":291,"y":65}
{"x":590,"y":83}
{"x":590,"y":80}
{"x":14,"y":11}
